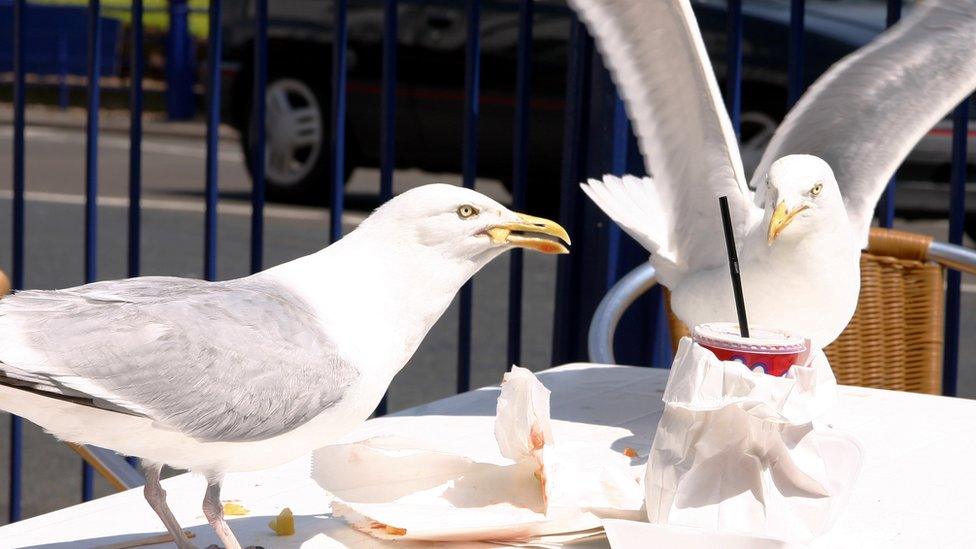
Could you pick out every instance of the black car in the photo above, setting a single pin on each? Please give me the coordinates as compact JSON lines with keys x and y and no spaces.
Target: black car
{"x":430,"y":87}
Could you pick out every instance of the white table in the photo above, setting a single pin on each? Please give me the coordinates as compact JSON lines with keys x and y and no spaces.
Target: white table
{"x":917,"y":487}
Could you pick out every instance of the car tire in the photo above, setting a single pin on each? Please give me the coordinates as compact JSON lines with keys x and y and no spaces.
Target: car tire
{"x":297,"y":160}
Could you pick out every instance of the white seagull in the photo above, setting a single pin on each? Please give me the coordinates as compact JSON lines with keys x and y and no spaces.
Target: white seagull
{"x":246,"y":374}
{"x":800,"y":232}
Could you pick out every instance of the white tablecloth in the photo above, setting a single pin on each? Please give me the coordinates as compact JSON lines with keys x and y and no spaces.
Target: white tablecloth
{"x":917,"y":487}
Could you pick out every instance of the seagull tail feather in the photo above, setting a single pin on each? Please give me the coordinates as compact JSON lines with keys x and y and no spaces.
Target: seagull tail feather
{"x":633,"y":204}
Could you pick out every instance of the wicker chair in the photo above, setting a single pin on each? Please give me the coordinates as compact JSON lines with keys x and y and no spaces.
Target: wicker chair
{"x":894,"y":340}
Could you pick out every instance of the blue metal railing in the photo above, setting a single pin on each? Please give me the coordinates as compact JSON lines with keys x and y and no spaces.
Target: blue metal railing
{"x":571,"y":207}
{"x":388,"y":114}
{"x":388,"y":99}
{"x":472,"y":91}
{"x":259,"y":105}
{"x":520,"y":158}
{"x":213,"y":144}
{"x":886,"y":206}
{"x":591,"y":107}
{"x":16,"y":424}
{"x":957,"y":212}
{"x":796,"y":52}
{"x":733,"y":76}
{"x":339,"y":73}
{"x":91,"y":180}
{"x":135,"y":140}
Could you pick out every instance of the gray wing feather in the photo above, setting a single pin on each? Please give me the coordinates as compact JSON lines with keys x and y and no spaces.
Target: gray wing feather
{"x":229,"y":361}
{"x":657,"y":58}
{"x":866,"y":113}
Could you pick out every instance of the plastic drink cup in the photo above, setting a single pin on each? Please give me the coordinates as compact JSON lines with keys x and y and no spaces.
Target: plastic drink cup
{"x":770,"y":350}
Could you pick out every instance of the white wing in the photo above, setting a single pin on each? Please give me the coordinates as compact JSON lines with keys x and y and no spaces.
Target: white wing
{"x":655,"y":52}
{"x":864,"y":115}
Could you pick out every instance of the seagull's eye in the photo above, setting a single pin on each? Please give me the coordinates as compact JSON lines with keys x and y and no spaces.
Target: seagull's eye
{"x":466,"y":211}
{"x":815,"y":191}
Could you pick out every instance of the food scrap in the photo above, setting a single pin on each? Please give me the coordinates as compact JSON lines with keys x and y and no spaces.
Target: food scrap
{"x":391,"y":530}
{"x":630,"y":452}
{"x":284,"y":523}
{"x":234,"y":509}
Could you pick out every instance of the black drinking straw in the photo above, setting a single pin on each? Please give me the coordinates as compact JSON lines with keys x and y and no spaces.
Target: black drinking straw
{"x":740,"y":304}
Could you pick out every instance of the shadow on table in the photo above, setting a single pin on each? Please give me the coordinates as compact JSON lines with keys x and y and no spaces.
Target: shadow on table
{"x":605,"y":396}
{"x":584,"y":395}
{"x":250,"y":530}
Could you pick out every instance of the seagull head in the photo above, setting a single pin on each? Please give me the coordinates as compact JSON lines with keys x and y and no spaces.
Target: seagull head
{"x":460,"y":222}
{"x":800,"y":192}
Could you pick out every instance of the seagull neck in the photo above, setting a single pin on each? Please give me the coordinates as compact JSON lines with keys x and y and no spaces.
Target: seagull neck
{"x":377,"y":298}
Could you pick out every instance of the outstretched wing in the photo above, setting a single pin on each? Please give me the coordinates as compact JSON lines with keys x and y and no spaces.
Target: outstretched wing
{"x":866,"y":113}
{"x":228,"y":361}
{"x":657,"y":58}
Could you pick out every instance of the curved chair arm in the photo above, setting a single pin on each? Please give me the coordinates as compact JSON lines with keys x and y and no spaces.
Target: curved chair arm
{"x":952,"y":256}
{"x":613,"y":305}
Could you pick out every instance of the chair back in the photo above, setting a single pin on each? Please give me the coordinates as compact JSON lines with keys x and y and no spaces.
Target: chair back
{"x":894,"y":341}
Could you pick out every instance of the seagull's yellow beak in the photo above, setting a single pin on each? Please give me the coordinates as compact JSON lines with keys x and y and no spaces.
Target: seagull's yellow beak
{"x":534,"y":233}
{"x":781,"y":218}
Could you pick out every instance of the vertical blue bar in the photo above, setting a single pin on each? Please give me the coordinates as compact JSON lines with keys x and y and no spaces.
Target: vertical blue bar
{"x":62,"y":71}
{"x":619,"y":135}
{"x":136,"y":66}
{"x":472,"y":86}
{"x":179,"y":62}
{"x":388,"y":113}
{"x":135,"y":139}
{"x":795,"y":62}
{"x":520,"y":156}
{"x":16,"y":424}
{"x":886,"y":206}
{"x":388,"y":107}
{"x":957,"y":212}
{"x":213,"y":143}
{"x":569,"y":303}
{"x":339,"y":46}
{"x":258,"y":142}
{"x":91,"y":141}
{"x":91,"y":176}
{"x":733,"y":76}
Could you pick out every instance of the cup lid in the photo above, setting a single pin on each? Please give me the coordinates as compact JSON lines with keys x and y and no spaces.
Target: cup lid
{"x":725,"y":335}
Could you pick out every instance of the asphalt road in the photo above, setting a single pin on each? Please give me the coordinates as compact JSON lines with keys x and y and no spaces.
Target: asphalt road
{"x":172,"y":244}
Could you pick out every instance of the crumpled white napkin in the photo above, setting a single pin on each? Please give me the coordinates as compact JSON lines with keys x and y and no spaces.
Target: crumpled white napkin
{"x":395,"y":487}
{"x":738,"y":451}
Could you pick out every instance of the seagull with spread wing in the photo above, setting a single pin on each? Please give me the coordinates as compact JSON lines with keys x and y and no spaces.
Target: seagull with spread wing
{"x":799,"y":234}
{"x":249,"y":373}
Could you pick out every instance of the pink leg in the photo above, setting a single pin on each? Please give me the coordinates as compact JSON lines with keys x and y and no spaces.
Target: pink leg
{"x":214,"y":511}
{"x":156,"y":497}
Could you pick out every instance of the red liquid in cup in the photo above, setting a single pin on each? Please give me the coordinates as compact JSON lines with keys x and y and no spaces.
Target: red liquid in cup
{"x":772,"y":351}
